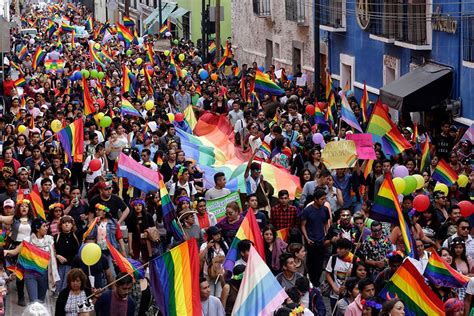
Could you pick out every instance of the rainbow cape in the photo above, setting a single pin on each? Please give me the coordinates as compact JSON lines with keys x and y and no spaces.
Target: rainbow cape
{"x":409,"y":285}
{"x":72,"y":140}
{"x":444,"y":173}
{"x":440,"y":273}
{"x":348,"y":116}
{"x":88,"y":101}
{"x":128,"y":109}
{"x":263,"y":84}
{"x":174,"y":280}
{"x":126,"y":265}
{"x":32,"y":259}
{"x":38,"y":57}
{"x":248,"y":230}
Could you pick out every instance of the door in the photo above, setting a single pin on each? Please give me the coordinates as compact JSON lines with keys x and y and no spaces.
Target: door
{"x":296,"y":60}
{"x":269,"y":54}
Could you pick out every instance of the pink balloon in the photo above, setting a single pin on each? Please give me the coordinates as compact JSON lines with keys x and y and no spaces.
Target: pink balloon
{"x":318,"y":138}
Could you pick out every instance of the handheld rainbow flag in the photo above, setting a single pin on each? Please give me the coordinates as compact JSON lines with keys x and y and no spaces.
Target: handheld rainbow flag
{"x":319,"y":116}
{"x":127,"y":81}
{"x":174,"y":280}
{"x":67,"y":28}
{"x":38,"y":57}
{"x":283,"y":234}
{"x":169,"y":213}
{"x":329,"y":117}
{"x":266,"y":149}
{"x":15,"y":65}
{"x":128,"y":22}
{"x":37,"y":202}
{"x":328,"y":85}
{"x":105,"y":56}
{"x":148,"y":80}
{"x":409,"y":286}
{"x":16,"y":270}
{"x":425,"y":155}
{"x":20,"y":82}
{"x":90,"y":24}
{"x":54,"y":65}
{"x":32,"y":259}
{"x":50,"y":29}
{"x":440,"y":273}
{"x":212,"y":50}
{"x":444,"y":173}
{"x":128,"y":109}
{"x":259,"y":293}
{"x":263,"y":84}
{"x":243,"y":87}
{"x":150,"y":54}
{"x":88,"y":101}
{"x":94,"y":57}
{"x":227,"y":54}
{"x":124,"y":35}
{"x":23,"y":52}
{"x":72,"y":140}
{"x":126,"y":265}
{"x":364,"y":104}
{"x":348,"y":116}
{"x":368,"y":168}
{"x":248,"y":230}
{"x":165,"y":28}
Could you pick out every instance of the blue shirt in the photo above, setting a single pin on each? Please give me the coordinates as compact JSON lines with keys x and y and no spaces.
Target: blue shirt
{"x":315,"y":219}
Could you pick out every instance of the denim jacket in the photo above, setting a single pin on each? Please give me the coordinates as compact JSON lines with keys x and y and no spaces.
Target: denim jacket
{"x":110,"y":234}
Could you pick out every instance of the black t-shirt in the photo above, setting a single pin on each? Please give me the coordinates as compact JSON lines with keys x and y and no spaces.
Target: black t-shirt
{"x":115,"y":204}
{"x":67,"y":245}
{"x":444,"y":145}
{"x":134,"y":223}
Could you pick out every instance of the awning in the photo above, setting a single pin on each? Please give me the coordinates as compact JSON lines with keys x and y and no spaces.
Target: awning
{"x":177,"y":14}
{"x":419,"y":90}
{"x":154,"y":17}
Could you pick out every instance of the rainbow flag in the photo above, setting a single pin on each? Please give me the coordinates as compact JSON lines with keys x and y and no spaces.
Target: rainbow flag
{"x":172,"y":65}
{"x":128,"y":109}
{"x":128,"y":22}
{"x":169,"y":213}
{"x":38,"y":57}
{"x":444,"y":173}
{"x":32,"y":259}
{"x":126,"y":265}
{"x":106,"y":56}
{"x":329,"y":117}
{"x":174,"y":280}
{"x":425,"y":155}
{"x":212,"y":50}
{"x":150,"y":54}
{"x":165,"y":28}
{"x":147,"y":76}
{"x":54,"y":65}
{"x":37,"y":202}
{"x":15,"y":65}
{"x":263,"y":84}
{"x":227,"y":53}
{"x":248,"y":230}
{"x":328,"y":85}
{"x":414,"y":136}
{"x":20,"y":82}
{"x":90,"y":228}
{"x":380,"y":123}
{"x":387,"y":208}
{"x":237,"y":72}
{"x":409,"y":285}
{"x":88,"y":101}
{"x":364,"y":104}
{"x":348,"y":116}
{"x":59,"y":44}
{"x":440,"y":273}
{"x":243,"y":88}
{"x":368,"y":168}
{"x":17,"y":270}
{"x":260,"y":293}
{"x":124,"y":34}
{"x":94,"y":57}
{"x":90,"y":24}
{"x":67,"y":28}
{"x":283,"y":234}
{"x":319,"y":116}
{"x":266,"y":149}
{"x":50,"y":29}
{"x":126,"y":81}
{"x":72,"y":140}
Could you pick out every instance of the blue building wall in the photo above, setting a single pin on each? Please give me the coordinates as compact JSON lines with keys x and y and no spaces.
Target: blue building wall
{"x":368,"y":53}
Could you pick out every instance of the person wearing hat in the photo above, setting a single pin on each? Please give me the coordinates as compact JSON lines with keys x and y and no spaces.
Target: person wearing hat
{"x":210,"y":251}
{"x":113,"y":202}
{"x":8,"y":207}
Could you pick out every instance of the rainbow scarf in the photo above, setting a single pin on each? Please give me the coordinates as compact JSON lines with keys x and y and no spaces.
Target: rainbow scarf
{"x":444,"y":173}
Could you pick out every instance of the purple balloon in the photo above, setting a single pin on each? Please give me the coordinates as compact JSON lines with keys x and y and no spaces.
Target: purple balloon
{"x":318,"y":138}
{"x":323,"y":144}
{"x":400,"y":171}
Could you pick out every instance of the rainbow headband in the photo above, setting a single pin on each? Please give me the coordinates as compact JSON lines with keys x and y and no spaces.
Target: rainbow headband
{"x":24,"y":201}
{"x":56,"y":205}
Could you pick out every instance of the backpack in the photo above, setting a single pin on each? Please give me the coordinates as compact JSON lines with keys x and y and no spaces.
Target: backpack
{"x":214,"y":269}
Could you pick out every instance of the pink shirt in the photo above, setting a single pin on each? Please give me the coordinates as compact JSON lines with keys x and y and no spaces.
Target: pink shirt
{"x":355,"y":308}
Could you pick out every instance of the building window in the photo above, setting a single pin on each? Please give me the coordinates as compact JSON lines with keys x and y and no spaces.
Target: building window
{"x":295,"y":10}
{"x":186,"y":24}
{"x":384,"y":20}
{"x":261,"y":7}
{"x":468,"y":38}
{"x":333,"y":13}
{"x":276,"y":51}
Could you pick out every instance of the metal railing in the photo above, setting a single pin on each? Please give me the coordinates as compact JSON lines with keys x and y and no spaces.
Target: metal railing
{"x":295,"y":10}
{"x":261,"y":7}
{"x":331,"y":13}
{"x":468,"y":38}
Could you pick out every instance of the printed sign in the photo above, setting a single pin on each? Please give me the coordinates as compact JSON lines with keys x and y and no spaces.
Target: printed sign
{"x":217,"y":206}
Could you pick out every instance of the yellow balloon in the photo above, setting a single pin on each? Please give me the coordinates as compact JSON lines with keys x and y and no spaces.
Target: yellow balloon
{"x":170,"y":117}
{"x":100,"y":115}
{"x":462,"y":181}
{"x":441,"y":187}
{"x":420,"y":181}
{"x":21,"y":129}
{"x":91,"y":254}
{"x":181,"y":57}
{"x":97,"y":46}
{"x":149,"y":105}
{"x":56,"y":125}
{"x":139,"y":61}
{"x":399,"y":184}
{"x":142,"y":73}
{"x":166,"y":52}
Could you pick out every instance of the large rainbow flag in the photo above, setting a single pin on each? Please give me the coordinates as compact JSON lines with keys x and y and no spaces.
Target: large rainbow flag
{"x":409,"y":285}
{"x":440,"y":273}
{"x":32,"y":259}
{"x":128,"y":109}
{"x":72,"y":140}
{"x":444,"y":173}
{"x":174,"y":280}
{"x":264,"y":84}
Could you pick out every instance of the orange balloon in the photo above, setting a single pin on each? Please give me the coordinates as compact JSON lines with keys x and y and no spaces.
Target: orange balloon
{"x":214,"y":77}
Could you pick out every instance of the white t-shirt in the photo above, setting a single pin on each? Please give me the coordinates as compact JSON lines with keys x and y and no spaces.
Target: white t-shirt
{"x":186,"y":186}
{"x":341,"y":269}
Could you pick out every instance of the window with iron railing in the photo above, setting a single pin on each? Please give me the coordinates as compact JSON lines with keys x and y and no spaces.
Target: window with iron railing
{"x":332,"y":13}
{"x":384,"y":19}
{"x":468,"y":38}
{"x":261,"y":7}
{"x":295,"y":10}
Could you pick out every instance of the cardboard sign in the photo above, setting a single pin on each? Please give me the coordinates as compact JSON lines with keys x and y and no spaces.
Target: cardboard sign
{"x":340,"y":154}
{"x":364,"y":145}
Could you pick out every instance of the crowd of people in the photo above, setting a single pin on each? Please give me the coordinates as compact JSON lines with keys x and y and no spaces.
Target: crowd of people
{"x":334,"y":258}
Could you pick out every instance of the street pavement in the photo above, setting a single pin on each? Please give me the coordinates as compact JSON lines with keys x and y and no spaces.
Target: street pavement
{"x":12,"y":302}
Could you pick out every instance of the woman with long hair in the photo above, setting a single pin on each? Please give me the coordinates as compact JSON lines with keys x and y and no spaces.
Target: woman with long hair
{"x":299,"y":252}
{"x":274,"y":247}
{"x":212,"y":252}
{"x":314,"y":163}
{"x":429,"y":223}
{"x":137,"y":224}
{"x":444,"y":293}
{"x":461,"y":262}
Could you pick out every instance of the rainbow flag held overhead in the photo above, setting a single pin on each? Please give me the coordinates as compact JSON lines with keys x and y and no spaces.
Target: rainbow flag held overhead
{"x":37,"y":202}
{"x":364,"y":104}
{"x":444,"y":173}
{"x":319,"y":117}
{"x":128,"y":109}
{"x":227,"y":54}
{"x":87,"y":98}
{"x":50,"y":29}
{"x":169,"y":213}
{"x":165,"y":28}
{"x":248,"y":230}
{"x":38,"y":57}
{"x":212,"y":50}
{"x":20,"y":82}
{"x":283,"y":234}
{"x":425,"y":155}
{"x":328,"y":85}
{"x":23,"y":52}
{"x":263,"y":84}
{"x":67,"y":28}
{"x":440,"y":273}
{"x":150,"y":54}
{"x":15,"y":65}
{"x":32,"y":259}
{"x":72,"y":140}
{"x":260,"y":292}
{"x":127,"y":81}
{"x":94,"y":57}
{"x":124,"y":34}
{"x":126,"y":265}
{"x":329,"y":117}
{"x":409,"y":285}
{"x":348,"y":116}
{"x":128,"y":22}
{"x":90,"y":24}
{"x":266,"y":149}
{"x":174,"y":280}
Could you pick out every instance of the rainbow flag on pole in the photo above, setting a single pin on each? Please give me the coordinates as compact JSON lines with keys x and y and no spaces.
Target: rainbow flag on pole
{"x":94,"y":57}
{"x":128,"y":22}
{"x":127,"y":81}
{"x":32,"y":259}
{"x":259,"y":293}
{"x":72,"y":140}
{"x":37,"y":202}
{"x":20,"y":82}
{"x":440,"y":273}
{"x":444,"y":173}
{"x":67,"y":28}
{"x":169,"y":213}
{"x":128,"y":109}
{"x":348,"y":116}
{"x":425,"y":155}
{"x":126,"y":265}
{"x":124,"y":34}
{"x":38,"y":57}
{"x":174,"y":280}
{"x":409,"y":285}
{"x":88,"y":101}
{"x":263,"y":84}
{"x":328,"y":85}
{"x":266,"y":149}
{"x":364,"y":104}
{"x":23,"y":52}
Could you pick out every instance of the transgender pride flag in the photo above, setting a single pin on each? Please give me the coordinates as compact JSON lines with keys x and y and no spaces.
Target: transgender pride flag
{"x":138,"y":176}
{"x":259,"y":293}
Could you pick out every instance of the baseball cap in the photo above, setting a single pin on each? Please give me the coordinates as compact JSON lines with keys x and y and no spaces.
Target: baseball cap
{"x":105,"y":184}
{"x":8,"y":203}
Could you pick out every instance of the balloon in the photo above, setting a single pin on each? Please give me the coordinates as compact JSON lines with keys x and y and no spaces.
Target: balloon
{"x":94,"y":165}
{"x":310,"y":110}
{"x":97,"y":46}
{"x":399,"y":184}
{"x":91,"y":254}
{"x":100,"y":115}
{"x":139,"y":61}
{"x":204,"y":75}
{"x":170,"y":117}
{"x":175,"y":41}
{"x":168,"y":34}
{"x":129,"y":52}
{"x":21,"y":129}
{"x":318,"y":138}
{"x":166,"y":53}
{"x":56,"y":126}
{"x":32,"y":41}
{"x":149,"y":105}
{"x":323,"y":144}
{"x":101,"y":103}
{"x":441,"y":187}
{"x":400,"y":172}
{"x":85,"y":73}
{"x":200,"y":70}
{"x":420,"y":181}
{"x":105,"y":121}
{"x":410,"y":185}
{"x":214,"y":77}
{"x":462,"y":181}
{"x":77,"y":75}
{"x":142,"y":72}
{"x":421,"y":203}
{"x":467,"y":208}
{"x":181,"y":57}
{"x":101,"y":75}
{"x":179,"y":117}
{"x":184,"y":73}
{"x":290,"y":77}
{"x":94,"y":73}
{"x":261,"y":68}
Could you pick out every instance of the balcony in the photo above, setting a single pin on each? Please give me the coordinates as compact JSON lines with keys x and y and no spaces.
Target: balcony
{"x":295,"y":11}
{"x":261,"y":8}
{"x":333,"y":15}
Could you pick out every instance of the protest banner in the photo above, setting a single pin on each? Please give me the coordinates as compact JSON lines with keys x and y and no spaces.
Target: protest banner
{"x":364,"y":145}
{"x":217,"y":206}
{"x":339,"y":154}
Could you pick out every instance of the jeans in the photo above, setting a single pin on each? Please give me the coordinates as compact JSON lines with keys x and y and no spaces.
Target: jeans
{"x":63,"y":270}
{"x":36,"y":286}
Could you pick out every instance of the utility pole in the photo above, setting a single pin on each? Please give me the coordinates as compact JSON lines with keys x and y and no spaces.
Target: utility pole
{"x":203,"y":31}
{"x":161,"y":14}
{"x":217,"y":15}
{"x":317,"y":66}
{"x":127,"y":8}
